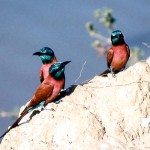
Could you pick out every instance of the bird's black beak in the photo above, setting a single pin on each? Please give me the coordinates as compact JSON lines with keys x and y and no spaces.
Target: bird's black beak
{"x":65,"y":63}
{"x":37,"y":53}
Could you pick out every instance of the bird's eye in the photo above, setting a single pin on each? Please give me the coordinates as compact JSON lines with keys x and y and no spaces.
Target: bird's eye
{"x":119,"y":33}
{"x":113,"y":34}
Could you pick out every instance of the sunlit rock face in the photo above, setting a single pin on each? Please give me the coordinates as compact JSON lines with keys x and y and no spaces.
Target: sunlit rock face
{"x":104,"y":113}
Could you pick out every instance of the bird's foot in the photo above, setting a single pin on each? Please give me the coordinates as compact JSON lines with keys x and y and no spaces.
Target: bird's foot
{"x":58,"y":101}
{"x":42,"y":108}
{"x":112,"y":72}
{"x":47,"y":108}
{"x":113,"y":75}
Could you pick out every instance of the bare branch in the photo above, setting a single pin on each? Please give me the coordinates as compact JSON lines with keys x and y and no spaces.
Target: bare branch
{"x":80,"y":72}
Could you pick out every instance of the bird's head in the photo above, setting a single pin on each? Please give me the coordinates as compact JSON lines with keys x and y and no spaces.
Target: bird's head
{"x":46,"y":54}
{"x":57,"y":70}
{"x":117,"y":38}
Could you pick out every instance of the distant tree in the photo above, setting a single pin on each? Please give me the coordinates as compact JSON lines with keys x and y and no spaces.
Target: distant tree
{"x":102,"y":43}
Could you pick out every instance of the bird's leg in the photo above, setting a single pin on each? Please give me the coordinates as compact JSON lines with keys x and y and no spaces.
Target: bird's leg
{"x":112,"y":72}
{"x":43,"y":107}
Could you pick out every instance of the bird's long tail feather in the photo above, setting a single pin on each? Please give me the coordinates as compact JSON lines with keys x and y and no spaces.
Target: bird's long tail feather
{"x":105,"y":72}
{"x":32,"y":107}
{"x":17,"y":121}
{"x":26,"y":109}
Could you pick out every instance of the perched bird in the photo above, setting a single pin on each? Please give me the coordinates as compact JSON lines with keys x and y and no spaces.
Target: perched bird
{"x":48,"y":58}
{"x":118,"y":54}
{"x":47,"y":91}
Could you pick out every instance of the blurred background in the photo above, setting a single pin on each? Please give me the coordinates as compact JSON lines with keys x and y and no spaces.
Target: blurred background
{"x":27,"y":26}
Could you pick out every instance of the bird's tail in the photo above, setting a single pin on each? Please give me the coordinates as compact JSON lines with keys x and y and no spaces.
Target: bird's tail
{"x":16,"y":122}
{"x":105,"y":72}
{"x":26,"y":109}
{"x":32,"y":107}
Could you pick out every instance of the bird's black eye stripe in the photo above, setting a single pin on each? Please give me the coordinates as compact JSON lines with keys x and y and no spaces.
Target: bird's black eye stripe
{"x":47,"y":53}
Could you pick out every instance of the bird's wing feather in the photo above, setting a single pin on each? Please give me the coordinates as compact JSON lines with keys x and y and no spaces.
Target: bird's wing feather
{"x":109,"y":57}
{"x":128,"y":50}
{"x":53,"y":96}
{"x":42,"y":93}
{"x":41,"y":75}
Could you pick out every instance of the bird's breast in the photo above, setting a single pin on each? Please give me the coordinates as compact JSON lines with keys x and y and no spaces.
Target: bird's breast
{"x":120,"y":58}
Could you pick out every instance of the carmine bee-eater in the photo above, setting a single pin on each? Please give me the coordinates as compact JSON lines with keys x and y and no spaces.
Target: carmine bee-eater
{"x":47,"y":91}
{"x":48,"y":58}
{"x":118,"y":54}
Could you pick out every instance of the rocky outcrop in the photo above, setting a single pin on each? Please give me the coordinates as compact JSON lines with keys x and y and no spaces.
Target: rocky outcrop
{"x":104,"y":113}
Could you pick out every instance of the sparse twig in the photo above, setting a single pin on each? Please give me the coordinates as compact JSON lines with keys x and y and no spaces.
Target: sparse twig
{"x":80,"y":72}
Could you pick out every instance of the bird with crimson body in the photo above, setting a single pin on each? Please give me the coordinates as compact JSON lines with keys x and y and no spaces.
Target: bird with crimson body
{"x":48,"y":58}
{"x":48,"y":91}
{"x":118,"y":54}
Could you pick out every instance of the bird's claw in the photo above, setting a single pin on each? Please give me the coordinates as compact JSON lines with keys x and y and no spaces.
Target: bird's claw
{"x":113,"y":75}
{"x":57,"y":102}
{"x":42,"y":108}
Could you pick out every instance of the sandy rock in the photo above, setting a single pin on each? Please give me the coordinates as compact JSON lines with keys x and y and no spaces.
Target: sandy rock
{"x":104,"y":113}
